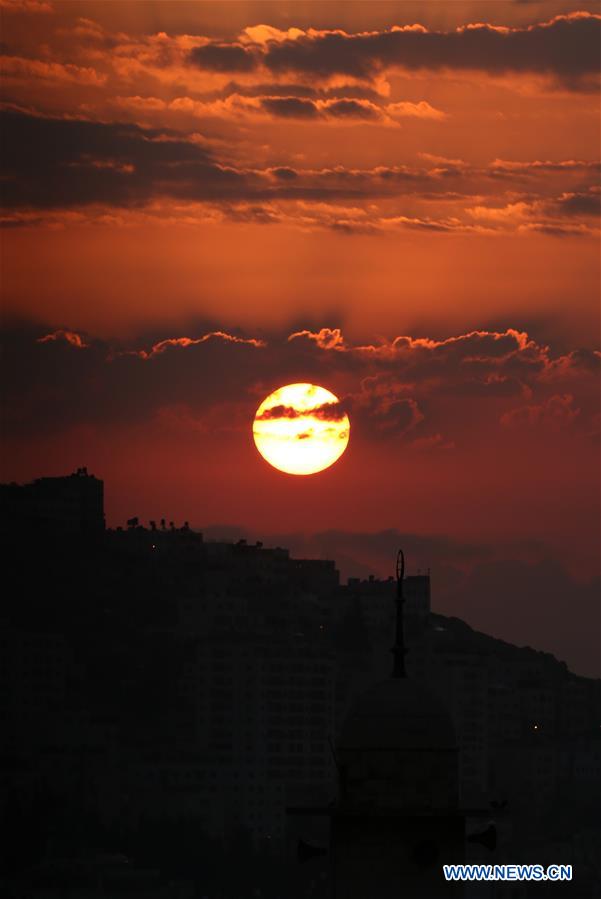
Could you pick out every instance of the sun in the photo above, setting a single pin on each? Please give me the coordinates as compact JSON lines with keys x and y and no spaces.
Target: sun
{"x":301,"y":429}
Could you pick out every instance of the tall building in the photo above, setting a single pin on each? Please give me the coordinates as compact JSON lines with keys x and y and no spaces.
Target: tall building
{"x":65,"y":506}
{"x":251,"y":720}
{"x":458,"y":672}
{"x":248,"y":666}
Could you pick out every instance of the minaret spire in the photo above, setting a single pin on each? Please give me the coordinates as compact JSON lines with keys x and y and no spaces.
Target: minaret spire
{"x":398,"y":650}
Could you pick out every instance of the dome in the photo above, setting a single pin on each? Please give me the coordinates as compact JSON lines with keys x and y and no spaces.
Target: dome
{"x":397,"y":750}
{"x":398,"y":713}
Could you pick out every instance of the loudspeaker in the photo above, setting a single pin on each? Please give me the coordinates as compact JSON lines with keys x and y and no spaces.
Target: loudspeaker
{"x":486,"y":838}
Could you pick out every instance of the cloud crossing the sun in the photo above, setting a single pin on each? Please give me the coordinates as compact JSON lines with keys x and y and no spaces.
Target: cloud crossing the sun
{"x":323,"y":412}
{"x":422,"y":390}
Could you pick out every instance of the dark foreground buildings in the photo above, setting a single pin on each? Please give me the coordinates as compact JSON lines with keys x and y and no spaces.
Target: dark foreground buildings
{"x":396,"y":818}
{"x":166,"y":701}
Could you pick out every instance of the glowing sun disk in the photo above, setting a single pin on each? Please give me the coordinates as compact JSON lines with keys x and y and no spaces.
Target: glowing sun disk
{"x":301,"y":429}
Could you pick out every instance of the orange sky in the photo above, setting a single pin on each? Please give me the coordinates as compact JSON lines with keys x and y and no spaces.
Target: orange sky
{"x":428,"y":170}
{"x":398,"y":213}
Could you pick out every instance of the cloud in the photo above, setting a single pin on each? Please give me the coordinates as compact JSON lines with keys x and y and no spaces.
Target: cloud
{"x":421,"y":391}
{"x":73,"y":170}
{"x":406,"y":382}
{"x":566,"y":47}
{"x":421,"y":110}
{"x":509,"y":167}
{"x":483,"y":362}
{"x":26,"y":6}
{"x":338,"y":109}
{"x":555,"y":414}
{"x":94,"y":166}
{"x":254,"y":104}
{"x":383,"y":406}
{"x":71,"y":337}
{"x":325,"y":338}
{"x":549,"y":215}
{"x":158,"y":348}
{"x":289,"y":107}
{"x":572,"y":365}
{"x":34,"y":69}
{"x":223,"y":58}
{"x":324,"y":412}
{"x":431,"y":443}
{"x":59,"y":384}
{"x":502,"y":214}
{"x":559,"y":229}
{"x":262,"y":34}
{"x":574,"y":204}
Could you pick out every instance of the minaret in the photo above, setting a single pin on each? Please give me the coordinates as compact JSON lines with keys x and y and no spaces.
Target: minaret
{"x":398,"y":650}
{"x":397,"y":820}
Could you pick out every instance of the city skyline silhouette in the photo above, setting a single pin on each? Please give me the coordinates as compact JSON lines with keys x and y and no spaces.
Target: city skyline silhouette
{"x":176,"y":706}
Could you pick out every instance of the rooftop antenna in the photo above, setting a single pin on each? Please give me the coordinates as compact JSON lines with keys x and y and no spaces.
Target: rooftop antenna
{"x":398,"y":650}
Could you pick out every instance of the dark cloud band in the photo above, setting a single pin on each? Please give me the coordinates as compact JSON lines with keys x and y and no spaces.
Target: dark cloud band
{"x":567,"y":46}
{"x":86,"y":163}
{"x":325,"y":412}
{"x":414,"y":388}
